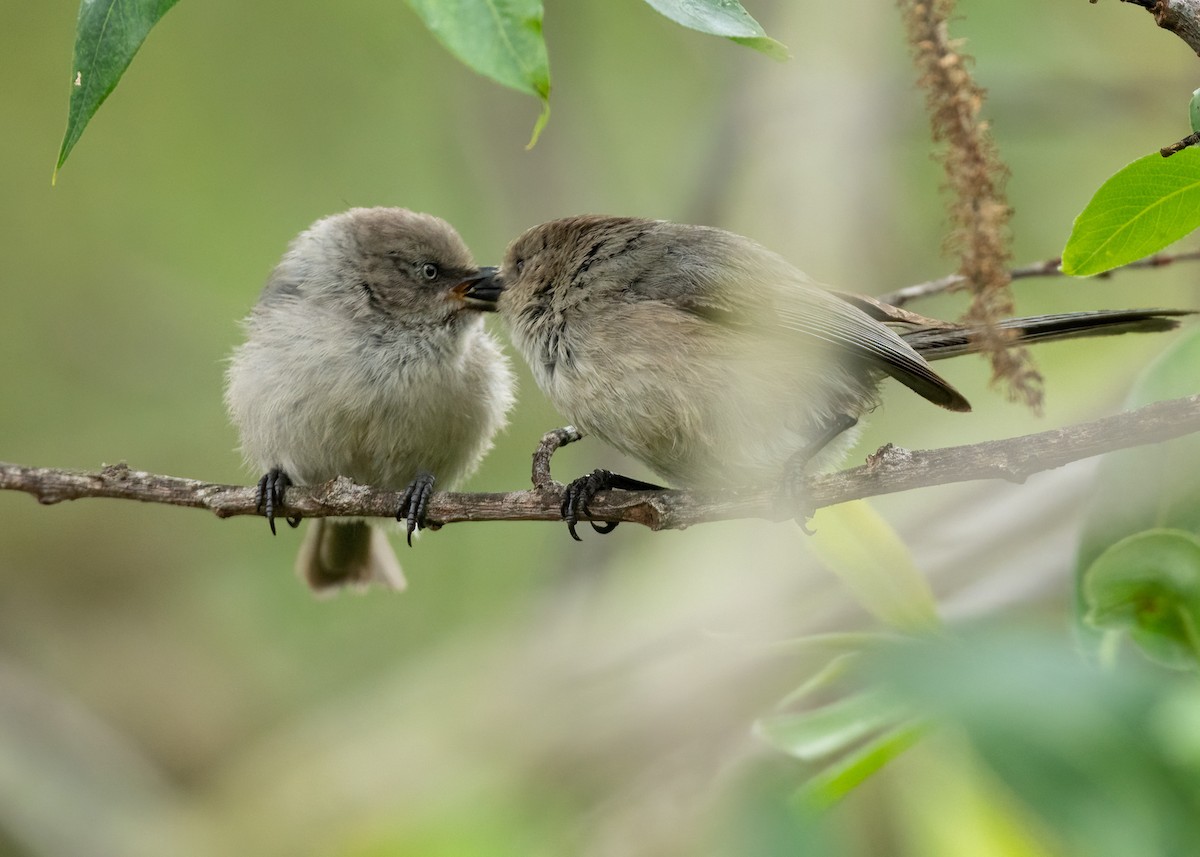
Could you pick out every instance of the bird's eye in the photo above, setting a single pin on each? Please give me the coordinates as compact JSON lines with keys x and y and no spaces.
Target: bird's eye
{"x":429,"y":271}
{"x":520,"y":266}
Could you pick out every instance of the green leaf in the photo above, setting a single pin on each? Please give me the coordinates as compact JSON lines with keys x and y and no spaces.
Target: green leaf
{"x":107,"y":35}
{"x":500,"y":39}
{"x":855,"y":543}
{"x":1097,"y":755}
{"x":1137,"y":212}
{"x":821,"y":680}
{"x":721,"y":18}
{"x":1145,"y":487}
{"x":841,"y":777}
{"x":832,"y":728}
{"x":1148,"y":585}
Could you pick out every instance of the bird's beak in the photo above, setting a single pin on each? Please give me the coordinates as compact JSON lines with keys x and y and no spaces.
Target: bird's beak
{"x":482,"y":290}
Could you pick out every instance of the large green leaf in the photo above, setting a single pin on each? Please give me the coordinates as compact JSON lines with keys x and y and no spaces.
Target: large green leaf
{"x":845,"y":739}
{"x":501,"y":39}
{"x":855,"y":543}
{"x":1145,"y":487}
{"x":108,"y":34}
{"x":1107,"y":760}
{"x":1137,"y":212}
{"x":1148,"y":586}
{"x":721,"y":18}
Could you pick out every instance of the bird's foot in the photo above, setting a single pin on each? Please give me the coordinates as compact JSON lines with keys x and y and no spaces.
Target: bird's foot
{"x":414,"y":505}
{"x":578,"y":495}
{"x":270,"y":496}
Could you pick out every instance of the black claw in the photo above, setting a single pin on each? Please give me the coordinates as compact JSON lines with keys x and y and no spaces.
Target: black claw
{"x":415,"y":504}
{"x":567,"y":509}
{"x":270,"y":496}
{"x":578,"y":496}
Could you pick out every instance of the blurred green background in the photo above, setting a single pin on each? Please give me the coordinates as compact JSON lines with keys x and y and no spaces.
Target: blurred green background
{"x":164,"y":678}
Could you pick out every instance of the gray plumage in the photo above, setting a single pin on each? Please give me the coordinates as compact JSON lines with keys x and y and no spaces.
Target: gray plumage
{"x":364,"y":359}
{"x":710,"y":358}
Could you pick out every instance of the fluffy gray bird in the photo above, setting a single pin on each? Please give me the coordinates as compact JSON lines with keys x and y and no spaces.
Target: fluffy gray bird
{"x":366,"y":358}
{"x":711,"y":359}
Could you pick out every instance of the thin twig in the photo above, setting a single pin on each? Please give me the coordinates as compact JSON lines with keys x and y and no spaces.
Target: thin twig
{"x":1047,"y":268}
{"x":890,"y":471}
{"x":1190,"y":140}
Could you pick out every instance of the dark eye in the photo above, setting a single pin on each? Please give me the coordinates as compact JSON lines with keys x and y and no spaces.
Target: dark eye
{"x":429,"y":271}
{"x":520,"y":265}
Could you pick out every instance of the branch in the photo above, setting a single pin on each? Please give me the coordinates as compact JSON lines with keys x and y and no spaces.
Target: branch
{"x":1046,"y":268}
{"x":888,"y":471}
{"x":1181,"y":17}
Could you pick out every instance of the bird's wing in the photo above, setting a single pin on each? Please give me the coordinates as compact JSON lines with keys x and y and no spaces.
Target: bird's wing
{"x":812,"y":312}
{"x":753,"y":286}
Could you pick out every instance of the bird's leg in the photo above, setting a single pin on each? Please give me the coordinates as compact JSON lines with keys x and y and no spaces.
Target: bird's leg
{"x":793,"y":473}
{"x":415,"y":503}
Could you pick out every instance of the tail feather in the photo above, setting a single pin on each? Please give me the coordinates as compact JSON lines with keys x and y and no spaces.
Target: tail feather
{"x":347,"y":554}
{"x":939,"y":343}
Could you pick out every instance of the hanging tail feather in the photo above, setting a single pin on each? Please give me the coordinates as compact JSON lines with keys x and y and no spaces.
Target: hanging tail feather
{"x":937,"y":343}
{"x":347,"y":554}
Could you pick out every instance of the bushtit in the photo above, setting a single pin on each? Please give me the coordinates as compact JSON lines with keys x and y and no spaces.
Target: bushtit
{"x":711,"y":359}
{"x":366,"y":358}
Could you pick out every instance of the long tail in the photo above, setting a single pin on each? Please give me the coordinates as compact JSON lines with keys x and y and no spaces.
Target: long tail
{"x":939,"y":343}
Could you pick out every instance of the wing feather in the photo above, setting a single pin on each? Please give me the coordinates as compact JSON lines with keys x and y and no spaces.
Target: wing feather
{"x":754,"y":286}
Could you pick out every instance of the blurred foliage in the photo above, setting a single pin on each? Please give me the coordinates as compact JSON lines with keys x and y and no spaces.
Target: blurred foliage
{"x":846,"y":738}
{"x":165,"y":682}
{"x":1138,"y":572}
{"x":1107,"y":761}
{"x":858,"y":545}
{"x":1149,"y":586}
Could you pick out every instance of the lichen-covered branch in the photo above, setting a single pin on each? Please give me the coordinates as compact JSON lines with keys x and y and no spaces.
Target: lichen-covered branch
{"x":889,"y":471}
